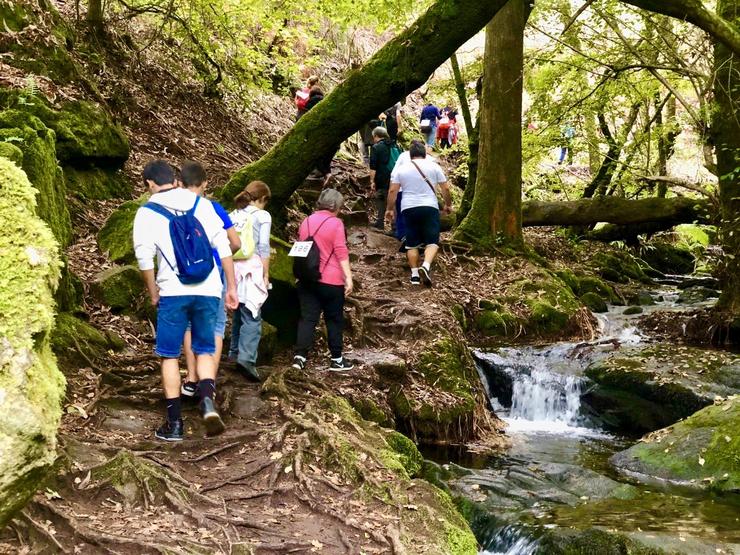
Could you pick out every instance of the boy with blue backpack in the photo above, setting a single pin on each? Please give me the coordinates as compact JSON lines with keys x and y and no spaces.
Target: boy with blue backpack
{"x":181,"y":230}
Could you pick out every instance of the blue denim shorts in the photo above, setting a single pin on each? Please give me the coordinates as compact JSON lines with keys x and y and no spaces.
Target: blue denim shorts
{"x":219,"y":328}
{"x":173,"y":316}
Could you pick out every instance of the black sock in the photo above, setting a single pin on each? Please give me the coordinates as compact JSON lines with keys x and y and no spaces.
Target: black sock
{"x":207,"y":388}
{"x":173,"y":409}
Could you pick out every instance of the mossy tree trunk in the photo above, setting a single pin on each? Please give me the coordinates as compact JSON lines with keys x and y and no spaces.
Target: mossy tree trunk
{"x":496,"y":209}
{"x":401,"y":66}
{"x":726,"y":135}
{"x":94,"y":17}
{"x":462,"y":95}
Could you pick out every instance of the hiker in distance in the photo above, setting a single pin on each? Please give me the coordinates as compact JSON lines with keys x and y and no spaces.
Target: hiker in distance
{"x":380,"y":171}
{"x":181,"y":229}
{"x":419,"y":180}
{"x":323,"y":281}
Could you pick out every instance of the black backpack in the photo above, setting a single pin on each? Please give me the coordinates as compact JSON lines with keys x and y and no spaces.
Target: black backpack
{"x":308,"y":269}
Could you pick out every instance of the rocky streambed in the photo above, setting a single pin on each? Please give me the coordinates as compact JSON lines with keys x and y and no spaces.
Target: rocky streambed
{"x":578,"y":477}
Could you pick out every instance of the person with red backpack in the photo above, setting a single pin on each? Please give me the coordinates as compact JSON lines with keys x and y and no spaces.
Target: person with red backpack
{"x":302,"y":95}
{"x":181,"y":230}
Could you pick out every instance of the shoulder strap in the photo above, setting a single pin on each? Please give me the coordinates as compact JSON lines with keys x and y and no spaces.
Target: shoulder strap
{"x":159,"y":209}
{"x":425,"y":177}
{"x":308,"y":226}
{"x":197,"y":200}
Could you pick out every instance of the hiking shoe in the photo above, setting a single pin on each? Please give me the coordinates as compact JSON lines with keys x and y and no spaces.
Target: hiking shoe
{"x":189,"y":390}
{"x":340,"y":365}
{"x":426,"y":276}
{"x":249,"y":371}
{"x":211,"y":418}
{"x":170,"y":431}
{"x":299,"y":362}
{"x":415,"y":280}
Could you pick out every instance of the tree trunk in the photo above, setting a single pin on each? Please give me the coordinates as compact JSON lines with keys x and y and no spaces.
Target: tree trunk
{"x":462,"y":96}
{"x":94,"y":17}
{"x":720,"y":26}
{"x":726,"y":134}
{"x":397,"y":69}
{"x":473,"y":144}
{"x":496,"y":209}
{"x":677,"y":210}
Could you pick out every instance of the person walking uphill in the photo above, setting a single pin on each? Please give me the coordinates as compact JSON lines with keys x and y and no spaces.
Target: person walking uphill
{"x":252,"y":268}
{"x":428,"y":123}
{"x":180,"y":229}
{"x":302,"y":95}
{"x":380,"y":160}
{"x":327,"y":294}
{"x":419,"y":209}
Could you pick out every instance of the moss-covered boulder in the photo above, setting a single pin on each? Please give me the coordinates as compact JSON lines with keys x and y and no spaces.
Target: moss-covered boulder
{"x":96,"y":183}
{"x":618,"y":266}
{"x":31,"y":386}
{"x":591,"y":541}
{"x":668,"y":258}
{"x":443,"y":408}
{"x":76,"y":342}
{"x":12,"y":153}
{"x":268,"y":343}
{"x":37,"y":142}
{"x":701,"y":452}
{"x":70,"y":290}
{"x":116,"y":237}
{"x":497,"y":323}
{"x":551,"y":303}
{"x":632,"y":310}
{"x":697,"y":294}
{"x":280,"y":308}
{"x":594,"y":302}
{"x":118,"y":287}
{"x":645,"y":389}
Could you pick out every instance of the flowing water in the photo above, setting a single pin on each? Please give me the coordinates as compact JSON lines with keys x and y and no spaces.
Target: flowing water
{"x":537,"y":391}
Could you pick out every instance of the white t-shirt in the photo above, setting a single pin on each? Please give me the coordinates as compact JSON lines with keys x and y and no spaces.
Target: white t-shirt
{"x":152,"y":239}
{"x":416,"y":191}
{"x":405,"y":158}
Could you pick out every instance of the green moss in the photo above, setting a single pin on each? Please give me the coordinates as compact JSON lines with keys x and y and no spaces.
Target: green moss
{"x":370,"y":411}
{"x":281,"y":265}
{"x":619,"y":267}
{"x":69,"y":293}
{"x":702,"y":451}
{"x":13,"y":16}
{"x":115,"y":237}
{"x":668,"y":258}
{"x":76,"y":342}
{"x":458,"y":313}
{"x":633,"y":310}
{"x":118,"y":287}
{"x":493,"y":323}
{"x":592,"y":284}
{"x":96,"y":183}
{"x":550,"y":301}
{"x":407,"y":451}
{"x":12,"y":153}
{"x":40,"y":164}
{"x":31,"y":386}
{"x":569,"y":278}
{"x":592,"y":541}
{"x":268,"y":343}
{"x":594,"y":302}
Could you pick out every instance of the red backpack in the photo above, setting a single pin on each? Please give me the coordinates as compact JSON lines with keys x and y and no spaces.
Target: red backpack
{"x":301,"y":98}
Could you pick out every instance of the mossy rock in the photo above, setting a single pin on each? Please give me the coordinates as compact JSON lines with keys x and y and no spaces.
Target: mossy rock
{"x":458,"y":313}
{"x":619,"y":267}
{"x":640,"y":298}
{"x":280,"y":307}
{"x":31,"y":386}
{"x":594,"y":302}
{"x":679,"y":380}
{"x":76,"y":342}
{"x":97,"y":183}
{"x":85,"y":134}
{"x":37,"y":142}
{"x":697,"y":294}
{"x":551,"y":302}
{"x":70,"y":290}
{"x":701,"y":452}
{"x":631,"y":310}
{"x":13,"y":16}
{"x":668,"y":258}
{"x":118,"y":287}
{"x":445,"y":365}
{"x":570,"y":279}
{"x":369,"y":410}
{"x":12,"y":153}
{"x":116,"y":236}
{"x":408,"y":453}
{"x":268,"y":343}
{"x":496,"y":323}
{"x":592,"y":284}
{"x":561,"y":541}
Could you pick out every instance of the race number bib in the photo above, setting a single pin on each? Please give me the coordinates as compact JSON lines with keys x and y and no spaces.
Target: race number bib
{"x":300,"y":249}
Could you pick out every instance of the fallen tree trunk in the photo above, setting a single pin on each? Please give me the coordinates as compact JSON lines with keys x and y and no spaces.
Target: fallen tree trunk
{"x":400,"y":67}
{"x":627,"y":233}
{"x":614,"y":210}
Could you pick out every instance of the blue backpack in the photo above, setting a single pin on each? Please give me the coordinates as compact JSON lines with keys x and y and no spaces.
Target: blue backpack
{"x":193,"y":252}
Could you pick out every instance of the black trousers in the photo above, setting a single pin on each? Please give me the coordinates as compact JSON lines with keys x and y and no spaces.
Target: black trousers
{"x":315,"y":298}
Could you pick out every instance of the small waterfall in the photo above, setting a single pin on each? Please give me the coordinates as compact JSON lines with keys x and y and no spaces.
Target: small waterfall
{"x":510,"y":540}
{"x":548,"y":397}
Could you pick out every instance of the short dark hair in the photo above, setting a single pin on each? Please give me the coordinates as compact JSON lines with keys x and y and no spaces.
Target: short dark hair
{"x":417,"y":149}
{"x":192,"y":174}
{"x":160,"y":172}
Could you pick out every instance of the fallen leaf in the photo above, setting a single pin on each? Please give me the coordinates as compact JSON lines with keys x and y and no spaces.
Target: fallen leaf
{"x":701,"y":461}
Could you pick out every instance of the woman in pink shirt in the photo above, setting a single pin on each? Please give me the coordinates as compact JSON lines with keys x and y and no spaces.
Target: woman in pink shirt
{"x":326,"y":295}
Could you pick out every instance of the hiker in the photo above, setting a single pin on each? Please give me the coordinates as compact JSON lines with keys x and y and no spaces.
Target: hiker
{"x":566,"y":149}
{"x":428,"y":123}
{"x":382,"y":155}
{"x":334,"y":284}
{"x":323,"y":166}
{"x":419,"y":209}
{"x":391,"y":119}
{"x":444,"y":129}
{"x":193,"y":178}
{"x":180,"y":229}
{"x":302,"y":95}
{"x":252,"y":269}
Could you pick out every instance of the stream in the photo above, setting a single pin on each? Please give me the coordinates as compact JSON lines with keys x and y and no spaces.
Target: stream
{"x":556,"y":476}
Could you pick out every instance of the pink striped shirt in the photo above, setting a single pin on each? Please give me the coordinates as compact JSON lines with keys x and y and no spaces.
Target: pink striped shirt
{"x":331,"y":241}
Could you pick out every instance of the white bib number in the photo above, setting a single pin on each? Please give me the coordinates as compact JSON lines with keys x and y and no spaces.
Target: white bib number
{"x":300,"y":249}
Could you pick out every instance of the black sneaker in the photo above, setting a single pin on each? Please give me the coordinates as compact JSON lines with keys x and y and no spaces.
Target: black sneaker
{"x":189,"y":390}
{"x":415,"y":280}
{"x":249,"y":371}
{"x":170,"y":431}
{"x":211,"y":418}
{"x":426,"y":276}
{"x":299,"y":362}
{"x":340,"y":365}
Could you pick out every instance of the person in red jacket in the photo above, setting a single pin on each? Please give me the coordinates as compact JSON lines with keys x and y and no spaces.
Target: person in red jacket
{"x":301,"y":95}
